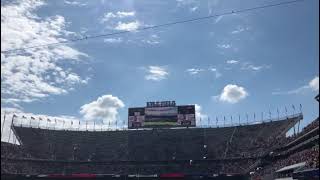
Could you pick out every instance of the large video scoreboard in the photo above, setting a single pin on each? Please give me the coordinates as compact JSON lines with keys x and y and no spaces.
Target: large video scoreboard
{"x":161,"y":114}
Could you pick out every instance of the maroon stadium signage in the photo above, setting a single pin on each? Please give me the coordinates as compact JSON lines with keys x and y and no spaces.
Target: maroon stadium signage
{"x":161,"y":114}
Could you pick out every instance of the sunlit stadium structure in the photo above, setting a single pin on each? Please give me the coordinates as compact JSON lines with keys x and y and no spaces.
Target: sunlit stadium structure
{"x":232,"y":151}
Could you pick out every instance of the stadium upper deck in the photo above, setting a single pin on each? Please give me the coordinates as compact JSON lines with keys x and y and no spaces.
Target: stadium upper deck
{"x":156,"y":144}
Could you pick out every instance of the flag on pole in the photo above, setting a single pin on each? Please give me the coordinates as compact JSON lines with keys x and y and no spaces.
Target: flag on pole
{"x":286,"y":110}
{"x":300,"y":108}
{"x":247,"y":116}
{"x":269,"y":114}
{"x":294,"y":109}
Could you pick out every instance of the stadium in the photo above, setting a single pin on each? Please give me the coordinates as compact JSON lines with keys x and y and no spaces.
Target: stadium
{"x":257,"y":150}
{"x":77,"y":78}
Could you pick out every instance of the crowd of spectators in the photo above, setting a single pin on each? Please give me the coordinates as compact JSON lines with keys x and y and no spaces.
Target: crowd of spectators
{"x":9,"y":150}
{"x":310,"y":156}
{"x":304,"y":154}
{"x":59,"y":167}
{"x":162,"y":144}
{"x":230,"y":150}
{"x":313,"y":125}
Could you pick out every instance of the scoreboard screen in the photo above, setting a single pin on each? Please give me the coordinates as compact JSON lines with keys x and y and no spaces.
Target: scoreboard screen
{"x":161,"y":114}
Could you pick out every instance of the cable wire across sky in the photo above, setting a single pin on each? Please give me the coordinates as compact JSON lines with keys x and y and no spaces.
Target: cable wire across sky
{"x":158,"y":26}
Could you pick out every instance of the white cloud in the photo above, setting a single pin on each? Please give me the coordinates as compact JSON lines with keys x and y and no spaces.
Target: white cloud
{"x":181,"y":3}
{"x":32,"y":74}
{"x":200,"y":115}
{"x":193,"y":9}
{"x":299,"y":90}
{"x":156,"y":73}
{"x":152,"y":40}
{"x":252,"y":67}
{"x":105,"y":108}
{"x":194,"y":71}
{"x":217,"y":73}
{"x":130,"y":26}
{"x":224,"y":46}
{"x":120,"y":14}
{"x":103,"y":111}
{"x":232,"y":94}
{"x":312,"y":85}
{"x":113,"y":40}
{"x":75,"y":3}
{"x":126,"y":14}
{"x":232,"y":62}
{"x":127,"y":21}
{"x":239,"y":29}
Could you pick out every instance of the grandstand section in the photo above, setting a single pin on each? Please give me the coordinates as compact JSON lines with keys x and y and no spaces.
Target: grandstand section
{"x":231,"y":151}
{"x":161,"y":144}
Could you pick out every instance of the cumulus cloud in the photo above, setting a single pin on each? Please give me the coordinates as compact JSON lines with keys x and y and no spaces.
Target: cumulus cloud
{"x":125,"y":24}
{"x":194,"y":71}
{"x":128,"y":21}
{"x":232,"y":93}
{"x":232,"y":62}
{"x":156,"y":73}
{"x":313,"y":85}
{"x":105,"y":108}
{"x":200,"y":115}
{"x":130,"y":26}
{"x":32,"y":74}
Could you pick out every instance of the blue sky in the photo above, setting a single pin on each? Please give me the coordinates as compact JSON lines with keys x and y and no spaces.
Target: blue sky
{"x":235,"y":64}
